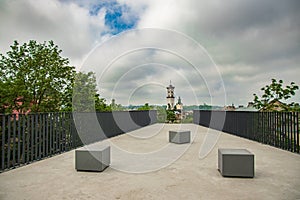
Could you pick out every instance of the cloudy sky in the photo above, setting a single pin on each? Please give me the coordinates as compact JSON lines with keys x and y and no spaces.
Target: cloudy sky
{"x":214,"y":52}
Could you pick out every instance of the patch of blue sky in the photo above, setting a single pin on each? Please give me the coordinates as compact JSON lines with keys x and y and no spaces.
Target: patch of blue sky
{"x":118,"y":17}
{"x":95,"y":8}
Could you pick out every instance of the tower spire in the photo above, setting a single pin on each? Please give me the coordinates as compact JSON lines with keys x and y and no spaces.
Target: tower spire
{"x":170,"y":96}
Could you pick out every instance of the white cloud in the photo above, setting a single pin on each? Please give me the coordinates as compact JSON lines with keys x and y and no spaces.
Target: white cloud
{"x":68,"y":25}
{"x":251,"y":41}
{"x":164,"y":55}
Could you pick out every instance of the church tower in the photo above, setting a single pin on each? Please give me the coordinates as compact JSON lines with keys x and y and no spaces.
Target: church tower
{"x":170,"y":97}
{"x":179,"y":105}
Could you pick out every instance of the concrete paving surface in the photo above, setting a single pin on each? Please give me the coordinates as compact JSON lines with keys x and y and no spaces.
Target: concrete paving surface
{"x":144,"y":165}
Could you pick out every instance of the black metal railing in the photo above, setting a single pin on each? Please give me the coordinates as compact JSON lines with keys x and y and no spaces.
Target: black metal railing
{"x":32,"y":137}
{"x":278,"y":129}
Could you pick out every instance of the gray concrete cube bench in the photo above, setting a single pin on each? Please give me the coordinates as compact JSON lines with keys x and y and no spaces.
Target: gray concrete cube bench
{"x":94,"y":159}
{"x":236,"y":162}
{"x":179,"y":137}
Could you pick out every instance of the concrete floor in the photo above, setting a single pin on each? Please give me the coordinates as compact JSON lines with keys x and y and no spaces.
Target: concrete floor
{"x":148,"y":168}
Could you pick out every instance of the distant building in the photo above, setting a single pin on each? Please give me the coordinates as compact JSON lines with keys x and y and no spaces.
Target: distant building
{"x":229,"y":108}
{"x":275,"y":105}
{"x":250,"y":107}
{"x":170,"y":97}
{"x":178,"y":107}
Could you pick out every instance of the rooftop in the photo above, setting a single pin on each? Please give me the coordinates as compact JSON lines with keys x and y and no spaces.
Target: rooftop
{"x":187,"y":177}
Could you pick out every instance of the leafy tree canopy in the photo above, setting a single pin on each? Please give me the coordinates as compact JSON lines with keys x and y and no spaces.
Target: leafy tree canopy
{"x":34,"y":76}
{"x":116,"y":107}
{"x":161,"y":114}
{"x":171,"y":117}
{"x":146,"y":107}
{"x":85,"y":96}
{"x":276,"y":92}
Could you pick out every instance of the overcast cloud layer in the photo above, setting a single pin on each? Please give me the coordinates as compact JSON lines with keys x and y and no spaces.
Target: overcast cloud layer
{"x":251,"y":41}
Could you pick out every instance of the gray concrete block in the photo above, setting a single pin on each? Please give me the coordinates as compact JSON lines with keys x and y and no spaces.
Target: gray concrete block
{"x":92,"y":159}
{"x":180,"y":137}
{"x":236,"y":162}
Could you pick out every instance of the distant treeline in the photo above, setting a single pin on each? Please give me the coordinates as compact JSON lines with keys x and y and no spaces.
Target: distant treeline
{"x":185,"y":107}
{"x":201,"y":107}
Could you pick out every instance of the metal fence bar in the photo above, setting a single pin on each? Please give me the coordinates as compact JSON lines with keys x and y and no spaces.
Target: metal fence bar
{"x":293,"y":135}
{"x":8,"y":141}
{"x":56,"y":133}
{"x":272,"y":128}
{"x":256,"y":126}
{"x":286,"y":141}
{"x":3,"y":143}
{"x":294,"y":131}
{"x":72,"y":136}
{"x":289,"y":131}
{"x":64,"y":133}
{"x":32,"y":137}
{"x":283,"y":131}
{"x":40,"y":139}
{"x":14,"y":141}
{"x":26,"y":138}
{"x":279,"y":129}
{"x":36,"y":117}
{"x":268,"y":128}
{"x":298,"y":132}
{"x":19,"y":138}
{"x":51,"y":133}
{"x":61,"y":133}
{"x":69,"y":132}
{"x":279,"y":122}
{"x":262,"y":127}
{"x":47,"y":135}
{"x":269,"y":138}
{"x":44,"y":136}
{"x":23,"y":138}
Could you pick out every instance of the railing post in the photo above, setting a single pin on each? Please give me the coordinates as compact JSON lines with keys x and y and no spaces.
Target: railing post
{"x":19,"y":138}
{"x":23,"y":138}
{"x":46,"y":135}
{"x":3,"y":142}
{"x":296,"y":125}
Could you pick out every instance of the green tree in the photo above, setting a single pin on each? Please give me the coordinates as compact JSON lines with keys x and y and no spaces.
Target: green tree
{"x":100,"y":104}
{"x":276,"y":91}
{"x":146,"y":107}
{"x":34,"y":76}
{"x":171,"y":117}
{"x":205,"y":107}
{"x":85,"y":96}
{"x":84,"y":91}
{"x":116,"y":107}
{"x":161,"y":114}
